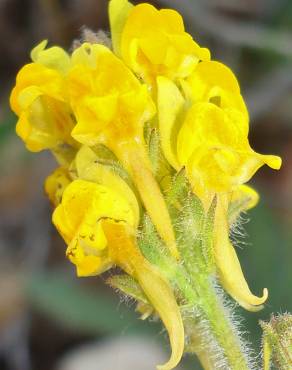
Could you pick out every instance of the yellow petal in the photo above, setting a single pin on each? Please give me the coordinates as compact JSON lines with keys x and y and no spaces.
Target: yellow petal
{"x":79,"y":220}
{"x":229,"y":269}
{"x":272,"y":161}
{"x":125,"y":252}
{"x":34,"y":54}
{"x":55,"y":57}
{"x":154,"y":43}
{"x":169,"y":103}
{"x":242,"y":199}
{"x":89,"y":169}
{"x":56,"y":183}
{"x":41,"y":79}
{"x":109,"y":102}
{"x":136,"y":161}
{"x":103,"y":108}
{"x":213,"y":145}
{"x":247,"y":196}
{"x":207,"y":126}
{"x":162,"y":299}
{"x":118,"y":14}
{"x":39,"y":99}
{"x":28,"y":95}
{"x":212,"y":80}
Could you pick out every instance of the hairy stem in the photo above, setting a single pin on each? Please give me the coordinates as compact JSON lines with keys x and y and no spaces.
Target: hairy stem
{"x":210,"y":331}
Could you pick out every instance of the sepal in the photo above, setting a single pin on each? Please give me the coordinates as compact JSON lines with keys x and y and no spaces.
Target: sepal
{"x":130,"y":287}
{"x":277,"y":342}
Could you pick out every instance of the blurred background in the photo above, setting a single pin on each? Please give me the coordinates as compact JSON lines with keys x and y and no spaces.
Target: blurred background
{"x":49,"y":319}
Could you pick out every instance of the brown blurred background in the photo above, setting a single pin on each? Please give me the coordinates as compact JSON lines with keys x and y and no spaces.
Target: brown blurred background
{"x":48,"y":318}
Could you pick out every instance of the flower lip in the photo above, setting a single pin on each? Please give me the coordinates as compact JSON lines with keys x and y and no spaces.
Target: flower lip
{"x":154,"y":42}
{"x":79,"y":218}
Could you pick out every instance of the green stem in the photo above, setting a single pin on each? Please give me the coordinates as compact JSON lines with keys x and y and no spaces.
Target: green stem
{"x":211,"y":334}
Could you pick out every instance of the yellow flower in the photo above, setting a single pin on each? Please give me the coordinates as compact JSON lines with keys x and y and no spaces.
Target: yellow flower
{"x":228,"y":265}
{"x":99,"y":226}
{"x":56,"y":183}
{"x":54,"y":58}
{"x":88,"y":168}
{"x":153,"y":42}
{"x":209,"y":139}
{"x":206,"y":130}
{"x":79,"y":220}
{"x":110,"y":104}
{"x":39,"y":100}
{"x":111,"y":107}
{"x":213,"y":145}
{"x":214,"y":82}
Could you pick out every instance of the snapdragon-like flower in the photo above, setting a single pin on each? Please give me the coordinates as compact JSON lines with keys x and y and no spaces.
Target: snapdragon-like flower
{"x":110,"y":104}
{"x":153,"y":42}
{"x":214,"y":82}
{"x":39,"y":100}
{"x":111,"y":108}
{"x":79,"y":218}
{"x":99,"y":226}
{"x":213,"y":146}
{"x":205,"y":129}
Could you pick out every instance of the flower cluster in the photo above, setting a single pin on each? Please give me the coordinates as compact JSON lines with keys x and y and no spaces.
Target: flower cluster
{"x":124,"y":123}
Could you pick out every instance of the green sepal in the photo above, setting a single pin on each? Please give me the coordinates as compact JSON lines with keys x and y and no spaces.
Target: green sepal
{"x":193,"y":226}
{"x":160,"y":167}
{"x":277,"y":342}
{"x":207,"y":237}
{"x":129,"y":286}
{"x":151,"y":244}
{"x":106,"y":157}
{"x":179,"y":189}
{"x":64,"y":154}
